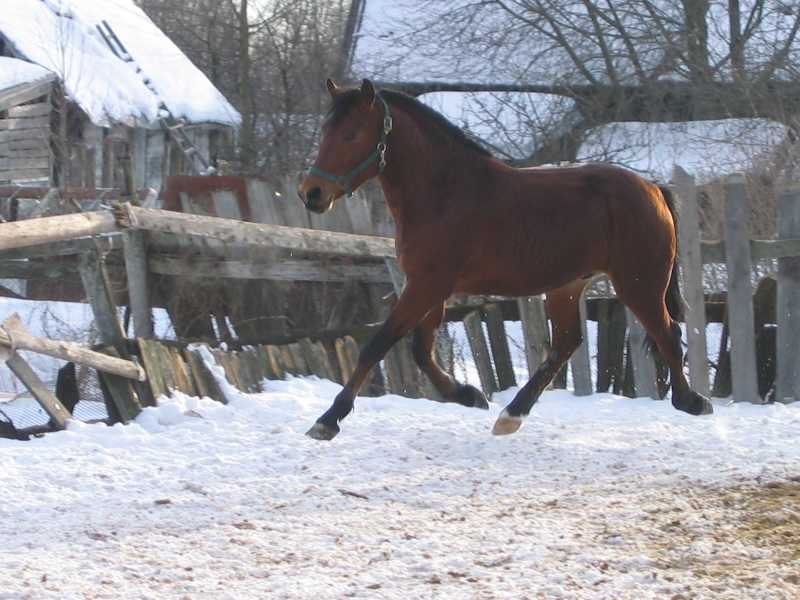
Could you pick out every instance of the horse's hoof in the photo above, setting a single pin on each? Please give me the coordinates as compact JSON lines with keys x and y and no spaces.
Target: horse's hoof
{"x":506,"y":424}
{"x":322,"y":432}
{"x":694,"y":404}
{"x":470,"y":396}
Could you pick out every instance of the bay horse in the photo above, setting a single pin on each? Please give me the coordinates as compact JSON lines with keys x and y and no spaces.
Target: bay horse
{"x":467,"y":223}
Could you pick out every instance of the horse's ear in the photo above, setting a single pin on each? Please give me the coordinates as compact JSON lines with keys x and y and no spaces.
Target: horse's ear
{"x":333,"y":89}
{"x":368,"y":91}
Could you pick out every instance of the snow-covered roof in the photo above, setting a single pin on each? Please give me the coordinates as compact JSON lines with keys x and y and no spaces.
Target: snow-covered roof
{"x":16,"y":72}
{"x":508,"y":122}
{"x":62,"y":36}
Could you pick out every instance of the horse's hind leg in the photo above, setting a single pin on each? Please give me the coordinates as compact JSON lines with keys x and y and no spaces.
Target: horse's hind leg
{"x":564,"y":310}
{"x":648,"y":304}
{"x":450,"y":390}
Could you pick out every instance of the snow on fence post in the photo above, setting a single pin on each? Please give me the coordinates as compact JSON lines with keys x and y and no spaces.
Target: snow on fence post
{"x":740,"y":292}
{"x":691,"y":263}
{"x":579,"y":361}
{"x":644,"y":369}
{"x":787,"y":377}
{"x":535,"y":330}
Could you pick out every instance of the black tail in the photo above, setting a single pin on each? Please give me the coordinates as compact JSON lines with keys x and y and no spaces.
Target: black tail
{"x":674,"y":299}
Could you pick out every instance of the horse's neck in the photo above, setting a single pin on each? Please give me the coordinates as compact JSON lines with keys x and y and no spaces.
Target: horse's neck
{"x":417,"y":180}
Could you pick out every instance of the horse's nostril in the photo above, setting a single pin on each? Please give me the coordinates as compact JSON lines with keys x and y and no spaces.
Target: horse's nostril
{"x":314,"y":194}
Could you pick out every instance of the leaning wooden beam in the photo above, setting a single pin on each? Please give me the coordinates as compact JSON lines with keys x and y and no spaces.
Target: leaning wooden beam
{"x":52,"y":406}
{"x":105,"y":244}
{"x":14,"y":334}
{"x":32,"y":232}
{"x":258,"y":234}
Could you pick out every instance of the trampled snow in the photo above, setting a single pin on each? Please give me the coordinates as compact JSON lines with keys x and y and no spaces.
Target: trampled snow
{"x":62,"y":36}
{"x":596,"y":497}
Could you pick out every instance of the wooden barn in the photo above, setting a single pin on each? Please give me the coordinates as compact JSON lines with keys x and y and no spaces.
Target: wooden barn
{"x":94,"y":95}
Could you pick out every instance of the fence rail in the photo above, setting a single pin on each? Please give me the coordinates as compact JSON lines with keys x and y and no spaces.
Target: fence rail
{"x":140,"y":242}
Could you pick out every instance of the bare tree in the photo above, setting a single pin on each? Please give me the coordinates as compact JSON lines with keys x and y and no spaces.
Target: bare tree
{"x":617,"y":60}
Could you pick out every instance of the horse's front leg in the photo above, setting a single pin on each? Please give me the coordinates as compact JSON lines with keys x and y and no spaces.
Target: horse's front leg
{"x":414,"y":303}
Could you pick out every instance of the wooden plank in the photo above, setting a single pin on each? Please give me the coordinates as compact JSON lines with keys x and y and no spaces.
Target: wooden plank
{"x":275,"y":361}
{"x":284,"y":270}
{"x":258,"y":234}
{"x":298,"y":359}
{"x":21,"y":234}
{"x":25,"y":92}
{"x":535,"y":330}
{"x":579,"y":361}
{"x":204,"y":380}
{"x":40,"y":136}
{"x":95,"y":284}
{"x":59,"y":416}
{"x":38,"y":144}
{"x":23,"y":175}
{"x":396,"y":275}
{"x":16,"y":163}
{"x":24,"y":123}
{"x":644,"y":369}
{"x":692,"y":271}
{"x":13,"y":333}
{"x":37,"y":153}
{"x":184,"y":381}
{"x":135,"y":252}
{"x":740,"y":293}
{"x":611,"y":347}
{"x":787,"y":378}
{"x":498,"y":342}
{"x":39,"y":109}
{"x":480,"y":352}
{"x":316,"y":358}
{"x":347,"y":359}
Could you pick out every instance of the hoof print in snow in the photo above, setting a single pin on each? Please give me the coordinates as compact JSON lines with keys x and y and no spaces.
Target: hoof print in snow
{"x":322,"y":432}
{"x":470,"y":396}
{"x":506,"y":424}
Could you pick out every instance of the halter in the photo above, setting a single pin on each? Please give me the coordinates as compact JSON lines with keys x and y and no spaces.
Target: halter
{"x":379,"y":155}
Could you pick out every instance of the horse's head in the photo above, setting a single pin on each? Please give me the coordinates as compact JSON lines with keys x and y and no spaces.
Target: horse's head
{"x":352,"y":148}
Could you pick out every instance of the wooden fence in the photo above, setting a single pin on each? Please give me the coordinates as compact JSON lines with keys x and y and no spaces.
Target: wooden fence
{"x":145,"y":241}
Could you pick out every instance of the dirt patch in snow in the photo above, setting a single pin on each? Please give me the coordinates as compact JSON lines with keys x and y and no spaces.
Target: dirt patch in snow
{"x":732,"y":539}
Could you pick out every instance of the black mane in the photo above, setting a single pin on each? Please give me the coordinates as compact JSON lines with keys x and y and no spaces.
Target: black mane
{"x":344,"y":101}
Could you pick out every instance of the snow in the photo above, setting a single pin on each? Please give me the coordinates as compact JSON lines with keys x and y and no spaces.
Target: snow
{"x":15,"y":72}
{"x":597,"y":497}
{"x":61,"y":36}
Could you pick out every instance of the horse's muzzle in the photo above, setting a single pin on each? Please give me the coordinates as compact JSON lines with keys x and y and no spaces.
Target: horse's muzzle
{"x":314,"y":200}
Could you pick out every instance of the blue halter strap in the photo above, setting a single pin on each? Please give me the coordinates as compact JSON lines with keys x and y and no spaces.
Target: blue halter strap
{"x":378,"y":155}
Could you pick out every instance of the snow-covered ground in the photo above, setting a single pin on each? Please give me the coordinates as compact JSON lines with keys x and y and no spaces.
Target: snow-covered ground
{"x":596,"y":497}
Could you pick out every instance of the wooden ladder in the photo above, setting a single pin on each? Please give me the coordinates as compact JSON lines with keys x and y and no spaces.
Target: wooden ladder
{"x":172,"y":125}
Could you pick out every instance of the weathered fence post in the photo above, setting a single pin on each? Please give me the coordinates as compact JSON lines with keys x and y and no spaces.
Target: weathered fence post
{"x":644,"y":369}
{"x":579,"y":361}
{"x":535,"y":330}
{"x":135,"y":251}
{"x":787,"y":378}
{"x":692,"y":270}
{"x":740,"y":292}
{"x":95,"y":283}
{"x":498,"y":341}
{"x":480,"y":352}
{"x":48,"y":401}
